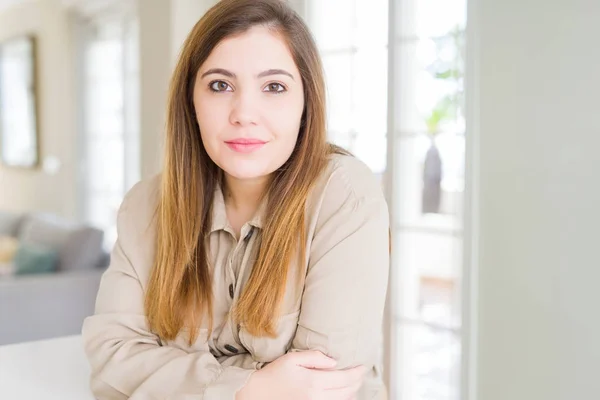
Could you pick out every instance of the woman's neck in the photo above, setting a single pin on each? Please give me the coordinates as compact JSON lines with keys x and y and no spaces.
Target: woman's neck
{"x":243,"y":198}
{"x":244,"y":193}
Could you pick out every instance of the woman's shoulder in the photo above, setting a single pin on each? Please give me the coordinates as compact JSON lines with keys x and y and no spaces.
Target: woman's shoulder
{"x":136,"y":225}
{"x":348,"y":177}
{"x":139,"y":204}
{"x":144,"y":190}
{"x":345,"y":185}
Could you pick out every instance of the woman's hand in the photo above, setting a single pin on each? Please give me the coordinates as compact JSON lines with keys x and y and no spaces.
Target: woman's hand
{"x":306,"y":375}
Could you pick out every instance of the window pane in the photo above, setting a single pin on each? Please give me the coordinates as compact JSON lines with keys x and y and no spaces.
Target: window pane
{"x":104,"y":114}
{"x":354,"y":57}
{"x":369,"y":89}
{"x":370,"y":147}
{"x":429,"y":18}
{"x":104,"y":88}
{"x":332,"y":23}
{"x":428,"y":362}
{"x":338,"y":78}
{"x":102,"y":212}
{"x":429,"y":128}
{"x":104,"y":59}
{"x":429,"y":86}
{"x":347,"y":140}
{"x":110,"y":119}
{"x":106,"y":164}
{"x":429,"y":275}
{"x":372,"y":23}
{"x":99,"y":213}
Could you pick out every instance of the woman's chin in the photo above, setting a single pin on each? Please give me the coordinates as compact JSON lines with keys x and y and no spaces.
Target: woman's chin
{"x":247,"y":172}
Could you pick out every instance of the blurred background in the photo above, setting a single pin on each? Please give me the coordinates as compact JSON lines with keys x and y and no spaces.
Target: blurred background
{"x":480,"y":118}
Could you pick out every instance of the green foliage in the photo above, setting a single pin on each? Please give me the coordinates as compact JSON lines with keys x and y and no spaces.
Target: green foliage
{"x":447,"y":107}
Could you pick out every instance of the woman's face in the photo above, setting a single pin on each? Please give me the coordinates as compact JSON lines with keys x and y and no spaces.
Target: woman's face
{"x":249,"y":100}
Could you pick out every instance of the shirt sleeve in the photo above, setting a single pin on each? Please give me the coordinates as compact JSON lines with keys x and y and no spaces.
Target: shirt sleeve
{"x":129,"y":361}
{"x":345,"y":288}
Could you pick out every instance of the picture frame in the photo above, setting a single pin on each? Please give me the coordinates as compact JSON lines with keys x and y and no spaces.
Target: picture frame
{"x":19,"y":136}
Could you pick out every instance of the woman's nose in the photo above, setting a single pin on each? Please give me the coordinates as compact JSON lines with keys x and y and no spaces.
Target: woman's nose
{"x":244,"y":109}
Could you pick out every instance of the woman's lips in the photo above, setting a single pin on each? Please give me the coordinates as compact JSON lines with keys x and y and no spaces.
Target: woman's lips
{"x":245,"y":145}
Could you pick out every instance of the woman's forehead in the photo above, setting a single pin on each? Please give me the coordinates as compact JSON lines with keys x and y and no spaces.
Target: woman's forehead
{"x":252,"y":52}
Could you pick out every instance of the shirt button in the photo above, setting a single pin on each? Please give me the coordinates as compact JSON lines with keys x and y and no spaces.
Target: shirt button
{"x":231,"y":349}
{"x":231,"y":290}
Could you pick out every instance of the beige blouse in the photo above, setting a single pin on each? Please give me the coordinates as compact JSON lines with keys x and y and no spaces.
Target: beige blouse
{"x":338,"y":309}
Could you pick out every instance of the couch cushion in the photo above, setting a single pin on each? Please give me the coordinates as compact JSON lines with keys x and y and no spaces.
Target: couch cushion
{"x":32,"y":259}
{"x":79,"y":247}
{"x":9,"y":223}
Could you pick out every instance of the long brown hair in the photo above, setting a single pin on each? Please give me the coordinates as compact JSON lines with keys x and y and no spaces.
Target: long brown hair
{"x":179,"y":292}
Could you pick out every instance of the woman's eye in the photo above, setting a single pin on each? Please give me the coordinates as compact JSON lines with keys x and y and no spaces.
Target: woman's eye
{"x":220,"y":86}
{"x":275,"y":87}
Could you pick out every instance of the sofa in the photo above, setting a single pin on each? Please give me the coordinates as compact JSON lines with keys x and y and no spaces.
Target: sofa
{"x":35,"y":306}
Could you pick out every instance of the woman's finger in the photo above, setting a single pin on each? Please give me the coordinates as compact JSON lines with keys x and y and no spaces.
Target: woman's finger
{"x":312,"y":359}
{"x":333,"y":380}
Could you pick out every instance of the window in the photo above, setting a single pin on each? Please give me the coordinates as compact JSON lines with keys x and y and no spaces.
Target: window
{"x":428,"y":126}
{"x":354,"y":57}
{"x":109,"y":126}
{"x":426,"y":136}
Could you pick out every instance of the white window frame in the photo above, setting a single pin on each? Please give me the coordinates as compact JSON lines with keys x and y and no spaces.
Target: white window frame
{"x":85,"y":16}
{"x":390,"y":179}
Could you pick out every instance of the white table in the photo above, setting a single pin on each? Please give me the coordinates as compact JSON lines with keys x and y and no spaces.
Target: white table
{"x":54,"y":369}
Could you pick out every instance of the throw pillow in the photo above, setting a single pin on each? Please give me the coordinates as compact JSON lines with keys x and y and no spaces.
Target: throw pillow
{"x":8,"y":248}
{"x":79,"y":247}
{"x":32,"y":259}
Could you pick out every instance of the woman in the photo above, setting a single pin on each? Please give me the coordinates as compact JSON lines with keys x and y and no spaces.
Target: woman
{"x":255,"y":266}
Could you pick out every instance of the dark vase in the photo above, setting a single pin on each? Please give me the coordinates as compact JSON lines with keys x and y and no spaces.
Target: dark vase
{"x":432,"y":179}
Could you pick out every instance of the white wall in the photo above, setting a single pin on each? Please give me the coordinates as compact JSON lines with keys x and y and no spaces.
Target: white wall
{"x":539,"y":141}
{"x":185,"y":14}
{"x":155,"y":72}
{"x":27,"y":189}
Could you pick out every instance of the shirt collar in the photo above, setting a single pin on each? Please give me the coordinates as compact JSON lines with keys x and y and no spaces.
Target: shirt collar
{"x":219,"y":213}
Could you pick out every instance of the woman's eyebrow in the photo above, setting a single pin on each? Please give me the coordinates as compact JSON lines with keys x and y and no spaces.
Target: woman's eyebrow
{"x":275,"y":72}
{"x":220,"y":71}
{"x":230,"y":74}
